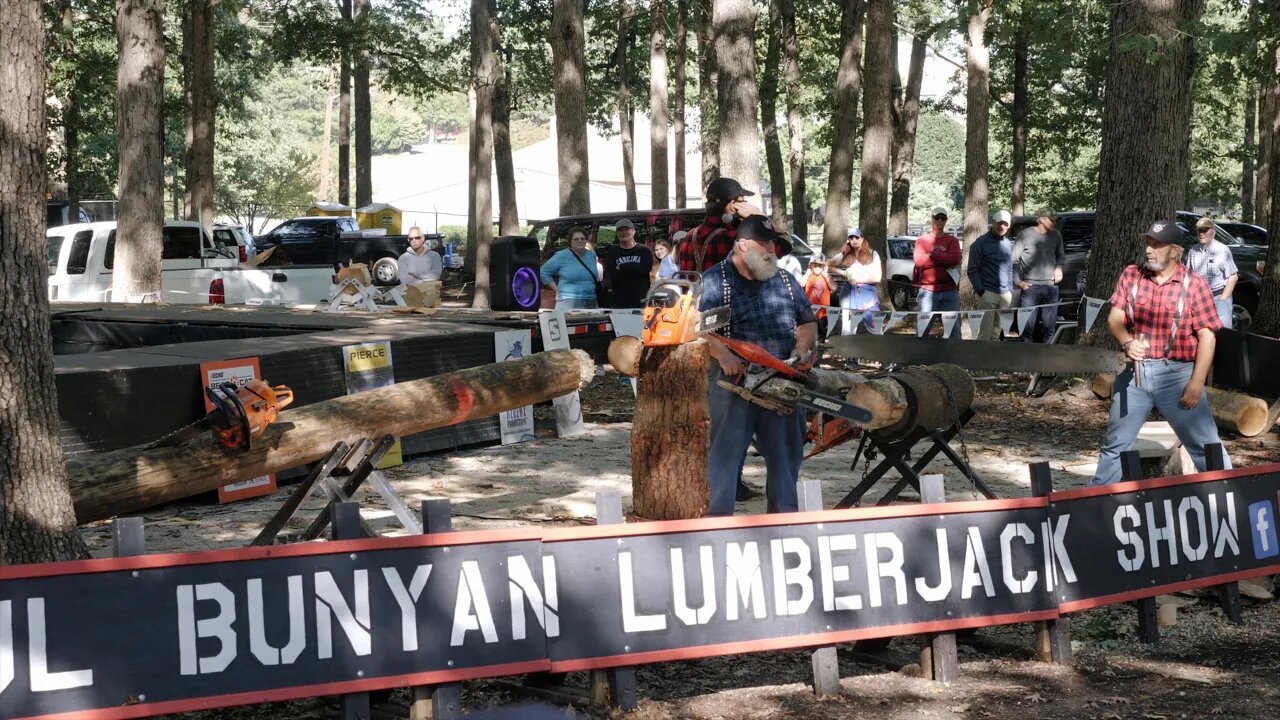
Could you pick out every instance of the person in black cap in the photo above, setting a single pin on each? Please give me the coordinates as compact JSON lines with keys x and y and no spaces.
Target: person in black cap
{"x":768,"y":308}
{"x":713,"y":239}
{"x":627,"y":267}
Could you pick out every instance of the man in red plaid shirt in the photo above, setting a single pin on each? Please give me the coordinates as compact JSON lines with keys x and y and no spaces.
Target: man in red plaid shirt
{"x":1163,"y":317}
{"x":713,"y":239}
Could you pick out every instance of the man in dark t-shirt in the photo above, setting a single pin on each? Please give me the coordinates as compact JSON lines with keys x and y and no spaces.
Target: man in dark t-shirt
{"x":627,"y":267}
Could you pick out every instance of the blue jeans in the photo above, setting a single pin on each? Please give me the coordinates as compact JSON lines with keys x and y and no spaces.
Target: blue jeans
{"x":1162,"y":384}
{"x":563,"y":303}
{"x":1045,"y":320}
{"x":931,"y":301}
{"x":1224,"y":310}
{"x":857,"y":302}
{"x":779,"y":438}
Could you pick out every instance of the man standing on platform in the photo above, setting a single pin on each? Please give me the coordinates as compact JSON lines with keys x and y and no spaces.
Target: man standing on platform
{"x":1163,"y":317}
{"x":1212,"y":261}
{"x":991,"y":272}
{"x":627,"y":268}
{"x":1038,"y":256}
{"x":768,"y":308}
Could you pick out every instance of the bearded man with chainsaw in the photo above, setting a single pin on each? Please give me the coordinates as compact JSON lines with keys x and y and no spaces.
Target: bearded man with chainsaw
{"x":768,"y":308}
{"x":1163,"y":316}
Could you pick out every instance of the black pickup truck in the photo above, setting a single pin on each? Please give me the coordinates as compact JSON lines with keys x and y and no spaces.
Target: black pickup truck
{"x":337,"y":241}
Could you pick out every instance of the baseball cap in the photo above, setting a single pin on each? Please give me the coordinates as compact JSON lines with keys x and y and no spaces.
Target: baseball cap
{"x":1205,"y":223}
{"x":1163,"y":231}
{"x":938,"y":211}
{"x":756,"y":227}
{"x":781,"y":245}
{"x":1047,"y":212}
{"x":855,"y":232}
{"x":1001,"y":216}
{"x":624,"y":223}
{"x":817,"y":258}
{"x":723,"y":190}
{"x":679,"y":235}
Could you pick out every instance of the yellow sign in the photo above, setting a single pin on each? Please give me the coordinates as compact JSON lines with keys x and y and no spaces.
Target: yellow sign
{"x":369,"y":367}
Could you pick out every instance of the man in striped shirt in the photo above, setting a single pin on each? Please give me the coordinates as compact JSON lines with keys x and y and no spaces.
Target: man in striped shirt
{"x":1212,"y":261}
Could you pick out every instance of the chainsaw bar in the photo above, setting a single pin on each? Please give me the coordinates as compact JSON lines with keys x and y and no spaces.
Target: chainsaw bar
{"x":829,"y":405}
{"x":992,"y":355}
{"x":713,"y":319}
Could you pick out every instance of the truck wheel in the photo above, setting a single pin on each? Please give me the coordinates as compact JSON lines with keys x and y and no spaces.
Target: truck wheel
{"x":385,"y":271}
{"x":901,"y":299}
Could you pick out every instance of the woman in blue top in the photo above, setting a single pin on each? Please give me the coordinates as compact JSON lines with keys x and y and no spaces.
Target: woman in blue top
{"x":574,"y":273}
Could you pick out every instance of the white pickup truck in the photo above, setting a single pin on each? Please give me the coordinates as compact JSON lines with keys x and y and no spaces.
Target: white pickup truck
{"x":196,"y":270}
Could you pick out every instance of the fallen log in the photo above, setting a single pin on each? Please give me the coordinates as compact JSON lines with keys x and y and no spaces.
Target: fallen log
{"x":114,"y":483}
{"x":1239,"y":413}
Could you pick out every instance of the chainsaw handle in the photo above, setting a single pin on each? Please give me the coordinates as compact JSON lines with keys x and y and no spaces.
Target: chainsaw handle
{"x":284,"y":396}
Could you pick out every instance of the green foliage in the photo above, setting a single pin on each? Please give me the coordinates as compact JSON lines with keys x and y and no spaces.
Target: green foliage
{"x":456,"y":234}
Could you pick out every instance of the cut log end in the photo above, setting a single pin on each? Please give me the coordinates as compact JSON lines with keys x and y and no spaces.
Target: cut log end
{"x":624,"y":355}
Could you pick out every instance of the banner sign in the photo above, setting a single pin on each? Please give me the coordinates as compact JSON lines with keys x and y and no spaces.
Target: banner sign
{"x":155,"y":634}
{"x":555,"y":336}
{"x":368,"y":367}
{"x":239,"y":372}
{"x":516,"y":425}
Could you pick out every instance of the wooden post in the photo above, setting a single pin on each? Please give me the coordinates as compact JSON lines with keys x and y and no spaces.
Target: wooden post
{"x":444,"y":701}
{"x":1053,"y":637}
{"x":938,"y":659}
{"x":127,"y":537}
{"x":346,"y":526}
{"x":826,"y":665}
{"x":1228,"y":593}
{"x":1148,"y":627}
{"x":671,"y":425}
{"x":614,"y":687}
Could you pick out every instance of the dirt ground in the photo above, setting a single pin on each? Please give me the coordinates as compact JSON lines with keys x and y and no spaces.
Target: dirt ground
{"x":1203,"y":666}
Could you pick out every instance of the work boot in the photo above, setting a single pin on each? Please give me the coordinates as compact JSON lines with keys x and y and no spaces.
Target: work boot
{"x":746,"y":492}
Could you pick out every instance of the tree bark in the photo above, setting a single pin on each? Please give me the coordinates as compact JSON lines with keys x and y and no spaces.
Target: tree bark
{"x":364,"y":111}
{"x":344,"y":115}
{"x":904,"y":138}
{"x":568,"y":46}
{"x":658,"y":121}
{"x":795,"y":120}
{"x":201,"y":100}
{"x":977,"y":118}
{"x":708,"y":93}
{"x":677,"y":128}
{"x":1267,"y":321}
{"x":672,"y":425}
{"x":71,"y":115}
{"x":508,"y":215}
{"x":769,"y":121}
{"x":36,"y":519}
{"x":483,"y":78}
{"x":326,"y":151}
{"x":139,"y":130}
{"x":626,"y":115}
{"x":1267,"y":108}
{"x":1250,"y":149}
{"x":844,"y":126}
{"x":1238,"y":413}
{"x":734,"y":22}
{"x":128,"y":480}
{"x":1143,"y":163}
{"x":1020,"y":100}
{"x":877,"y":132}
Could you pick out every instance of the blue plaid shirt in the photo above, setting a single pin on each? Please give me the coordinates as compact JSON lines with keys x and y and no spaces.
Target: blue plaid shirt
{"x":765,"y":313}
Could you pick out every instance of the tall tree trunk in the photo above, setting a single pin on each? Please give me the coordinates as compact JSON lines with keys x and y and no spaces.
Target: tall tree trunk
{"x":37,"y":523}
{"x":322,"y":193}
{"x":626,"y":115}
{"x":708,"y":93}
{"x":795,"y":120}
{"x":364,"y":111}
{"x":1268,"y":107}
{"x":568,"y":45}
{"x":1267,"y":321}
{"x":658,"y":122}
{"x":71,"y":115}
{"x":1247,"y":173}
{"x":904,"y":138}
{"x":139,"y":130}
{"x":735,"y":23}
{"x":844,"y":125}
{"x":682,"y":53}
{"x":344,"y":115}
{"x":1020,"y":101}
{"x":483,"y":77}
{"x":769,"y":121}
{"x":1143,"y":166}
{"x":977,"y":118}
{"x":201,"y":99}
{"x":877,"y":132}
{"x":504,"y":164}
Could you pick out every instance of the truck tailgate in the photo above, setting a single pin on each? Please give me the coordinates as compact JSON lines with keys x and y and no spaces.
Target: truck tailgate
{"x":285,"y":285}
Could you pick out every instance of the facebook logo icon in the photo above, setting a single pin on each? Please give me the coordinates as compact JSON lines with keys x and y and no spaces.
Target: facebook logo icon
{"x":1262,"y":524}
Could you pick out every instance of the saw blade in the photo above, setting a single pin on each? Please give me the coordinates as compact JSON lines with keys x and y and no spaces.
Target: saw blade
{"x":992,"y":355}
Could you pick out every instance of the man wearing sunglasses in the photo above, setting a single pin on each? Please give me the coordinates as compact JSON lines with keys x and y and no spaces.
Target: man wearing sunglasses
{"x":1212,"y":261}
{"x":418,"y":263}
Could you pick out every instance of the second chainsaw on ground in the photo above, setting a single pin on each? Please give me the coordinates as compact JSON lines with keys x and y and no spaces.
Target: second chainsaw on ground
{"x":781,"y":386}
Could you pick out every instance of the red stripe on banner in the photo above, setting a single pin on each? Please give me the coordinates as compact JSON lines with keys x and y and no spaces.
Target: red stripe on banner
{"x":1155,"y":590}
{"x":661,"y":527}
{"x":138,"y":710}
{"x":798,"y":641}
{"x":462,"y":392}
{"x":1153,"y":483}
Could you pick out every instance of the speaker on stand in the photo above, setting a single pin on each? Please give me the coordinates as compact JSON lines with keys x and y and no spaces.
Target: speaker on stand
{"x":513,"y":273}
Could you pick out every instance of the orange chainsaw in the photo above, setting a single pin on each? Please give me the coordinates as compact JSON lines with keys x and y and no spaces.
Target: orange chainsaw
{"x":671,"y":315}
{"x":782,"y":386}
{"x":239,"y":416}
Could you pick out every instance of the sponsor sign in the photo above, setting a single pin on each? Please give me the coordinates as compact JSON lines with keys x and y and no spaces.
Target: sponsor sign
{"x":240,"y":372}
{"x":555,"y":336}
{"x":368,"y":367}
{"x":517,"y":424}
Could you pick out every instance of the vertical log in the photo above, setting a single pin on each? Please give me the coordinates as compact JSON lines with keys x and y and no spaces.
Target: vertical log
{"x":672,"y":425}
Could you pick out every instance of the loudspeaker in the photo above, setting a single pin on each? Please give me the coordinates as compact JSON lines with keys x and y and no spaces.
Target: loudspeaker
{"x":513,"y":273}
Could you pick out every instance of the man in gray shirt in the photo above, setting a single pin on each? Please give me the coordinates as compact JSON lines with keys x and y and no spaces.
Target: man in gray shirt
{"x":1038,"y":256}
{"x":418,"y":263}
{"x":990,"y":272}
{"x":1213,"y":261}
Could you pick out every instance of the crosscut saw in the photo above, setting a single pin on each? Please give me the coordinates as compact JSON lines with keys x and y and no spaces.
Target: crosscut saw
{"x":781,"y":386}
{"x":991,"y":355}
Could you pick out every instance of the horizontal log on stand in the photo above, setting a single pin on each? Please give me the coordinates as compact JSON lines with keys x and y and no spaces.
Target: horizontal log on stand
{"x":123,"y":481}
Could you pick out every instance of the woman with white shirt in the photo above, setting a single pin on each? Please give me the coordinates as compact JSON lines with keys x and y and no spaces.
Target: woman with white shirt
{"x":860,"y":267}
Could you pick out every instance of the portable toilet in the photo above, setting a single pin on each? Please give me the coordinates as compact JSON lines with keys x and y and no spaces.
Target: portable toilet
{"x":379,"y":216}
{"x":328,"y":209}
